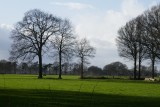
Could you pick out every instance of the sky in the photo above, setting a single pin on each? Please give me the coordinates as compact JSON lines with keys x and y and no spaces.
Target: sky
{"x":96,"y":20}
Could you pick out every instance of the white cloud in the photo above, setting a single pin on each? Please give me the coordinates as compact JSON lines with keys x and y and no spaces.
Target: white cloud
{"x":73,"y":5}
{"x":131,"y":8}
{"x":154,"y":3}
{"x":101,"y":29}
{"x":6,"y":26}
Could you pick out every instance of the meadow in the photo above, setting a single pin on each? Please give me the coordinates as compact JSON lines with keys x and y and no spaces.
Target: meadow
{"x":28,"y":91}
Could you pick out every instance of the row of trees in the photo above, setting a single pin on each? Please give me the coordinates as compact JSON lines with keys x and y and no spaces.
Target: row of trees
{"x":112,"y":69}
{"x":115,"y":69}
{"x":118,"y":69}
{"x":40,"y":33}
{"x":139,"y":39}
{"x":7,"y":67}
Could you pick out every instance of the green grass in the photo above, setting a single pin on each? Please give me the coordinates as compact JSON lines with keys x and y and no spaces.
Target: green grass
{"x":28,"y":91}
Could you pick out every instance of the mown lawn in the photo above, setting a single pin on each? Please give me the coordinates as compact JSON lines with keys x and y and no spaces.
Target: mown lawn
{"x":28,"y":91}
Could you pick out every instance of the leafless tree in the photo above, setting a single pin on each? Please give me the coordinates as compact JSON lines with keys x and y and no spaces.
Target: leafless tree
{"x":63,"y":43}
{"x":127,"y":43}
{"x":142,"y":50}
{"x":84,"y":50}
{"x":151,"y":36}
{"x":31,"y":35}
{"x":146,"y":33}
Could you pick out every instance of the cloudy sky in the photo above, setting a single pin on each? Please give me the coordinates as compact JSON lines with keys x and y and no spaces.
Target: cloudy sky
{"x":97,"y":20}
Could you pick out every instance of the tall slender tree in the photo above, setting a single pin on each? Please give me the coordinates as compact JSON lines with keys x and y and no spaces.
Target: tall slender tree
{"x":127,"y":43}
{"x":151,"y":36}
{"x":142,"y":50}
{"x":84,"y":50}
{"x":63,"y":43}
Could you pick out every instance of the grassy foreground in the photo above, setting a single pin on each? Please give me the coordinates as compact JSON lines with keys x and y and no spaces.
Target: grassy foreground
{"x":28,"y":91}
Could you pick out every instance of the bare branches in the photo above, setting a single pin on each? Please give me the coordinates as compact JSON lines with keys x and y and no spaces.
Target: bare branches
{"x":63,"y":43}
{"x":129,"y":42}
{"x":141,"y":37}
{"x":31,"y":35}
{"x":83,"y":50}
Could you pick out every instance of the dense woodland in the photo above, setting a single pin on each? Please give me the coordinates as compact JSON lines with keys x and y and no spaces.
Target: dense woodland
{"x":40,"y":33}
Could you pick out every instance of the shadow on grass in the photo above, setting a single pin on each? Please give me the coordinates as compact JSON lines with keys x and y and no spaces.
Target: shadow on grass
{"x":52,"y":98}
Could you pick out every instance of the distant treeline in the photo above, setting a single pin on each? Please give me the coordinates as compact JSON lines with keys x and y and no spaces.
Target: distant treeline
{"x":113,"y":69}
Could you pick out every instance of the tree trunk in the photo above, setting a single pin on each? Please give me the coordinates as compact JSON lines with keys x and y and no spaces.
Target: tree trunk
{"x":140,"y":58}
{"x":60,"y":66}
{"x":153,"y":62}
{"x":135,"y":67}
{"x":139,"y":71}
{"x":40,"y":66}
{"x":81,"y":68}
{"x":15,"y":68}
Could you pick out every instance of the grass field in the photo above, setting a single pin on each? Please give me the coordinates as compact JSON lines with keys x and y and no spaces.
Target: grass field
{"x":28,"y":91}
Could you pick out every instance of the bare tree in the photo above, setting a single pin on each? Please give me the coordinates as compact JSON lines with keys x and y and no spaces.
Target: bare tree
{"x":142,"y":50}
{"x":127,"y":43}
{"x":151,"y":36}
{"x":31,"y":35}
{"x":63,"y":43}
{"x":84,"y":50}
{"x":146,"y":33}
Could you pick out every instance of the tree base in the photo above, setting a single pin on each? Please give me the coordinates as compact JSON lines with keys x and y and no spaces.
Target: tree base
{"x":59,"y":78}
{"x":39,"y":77}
